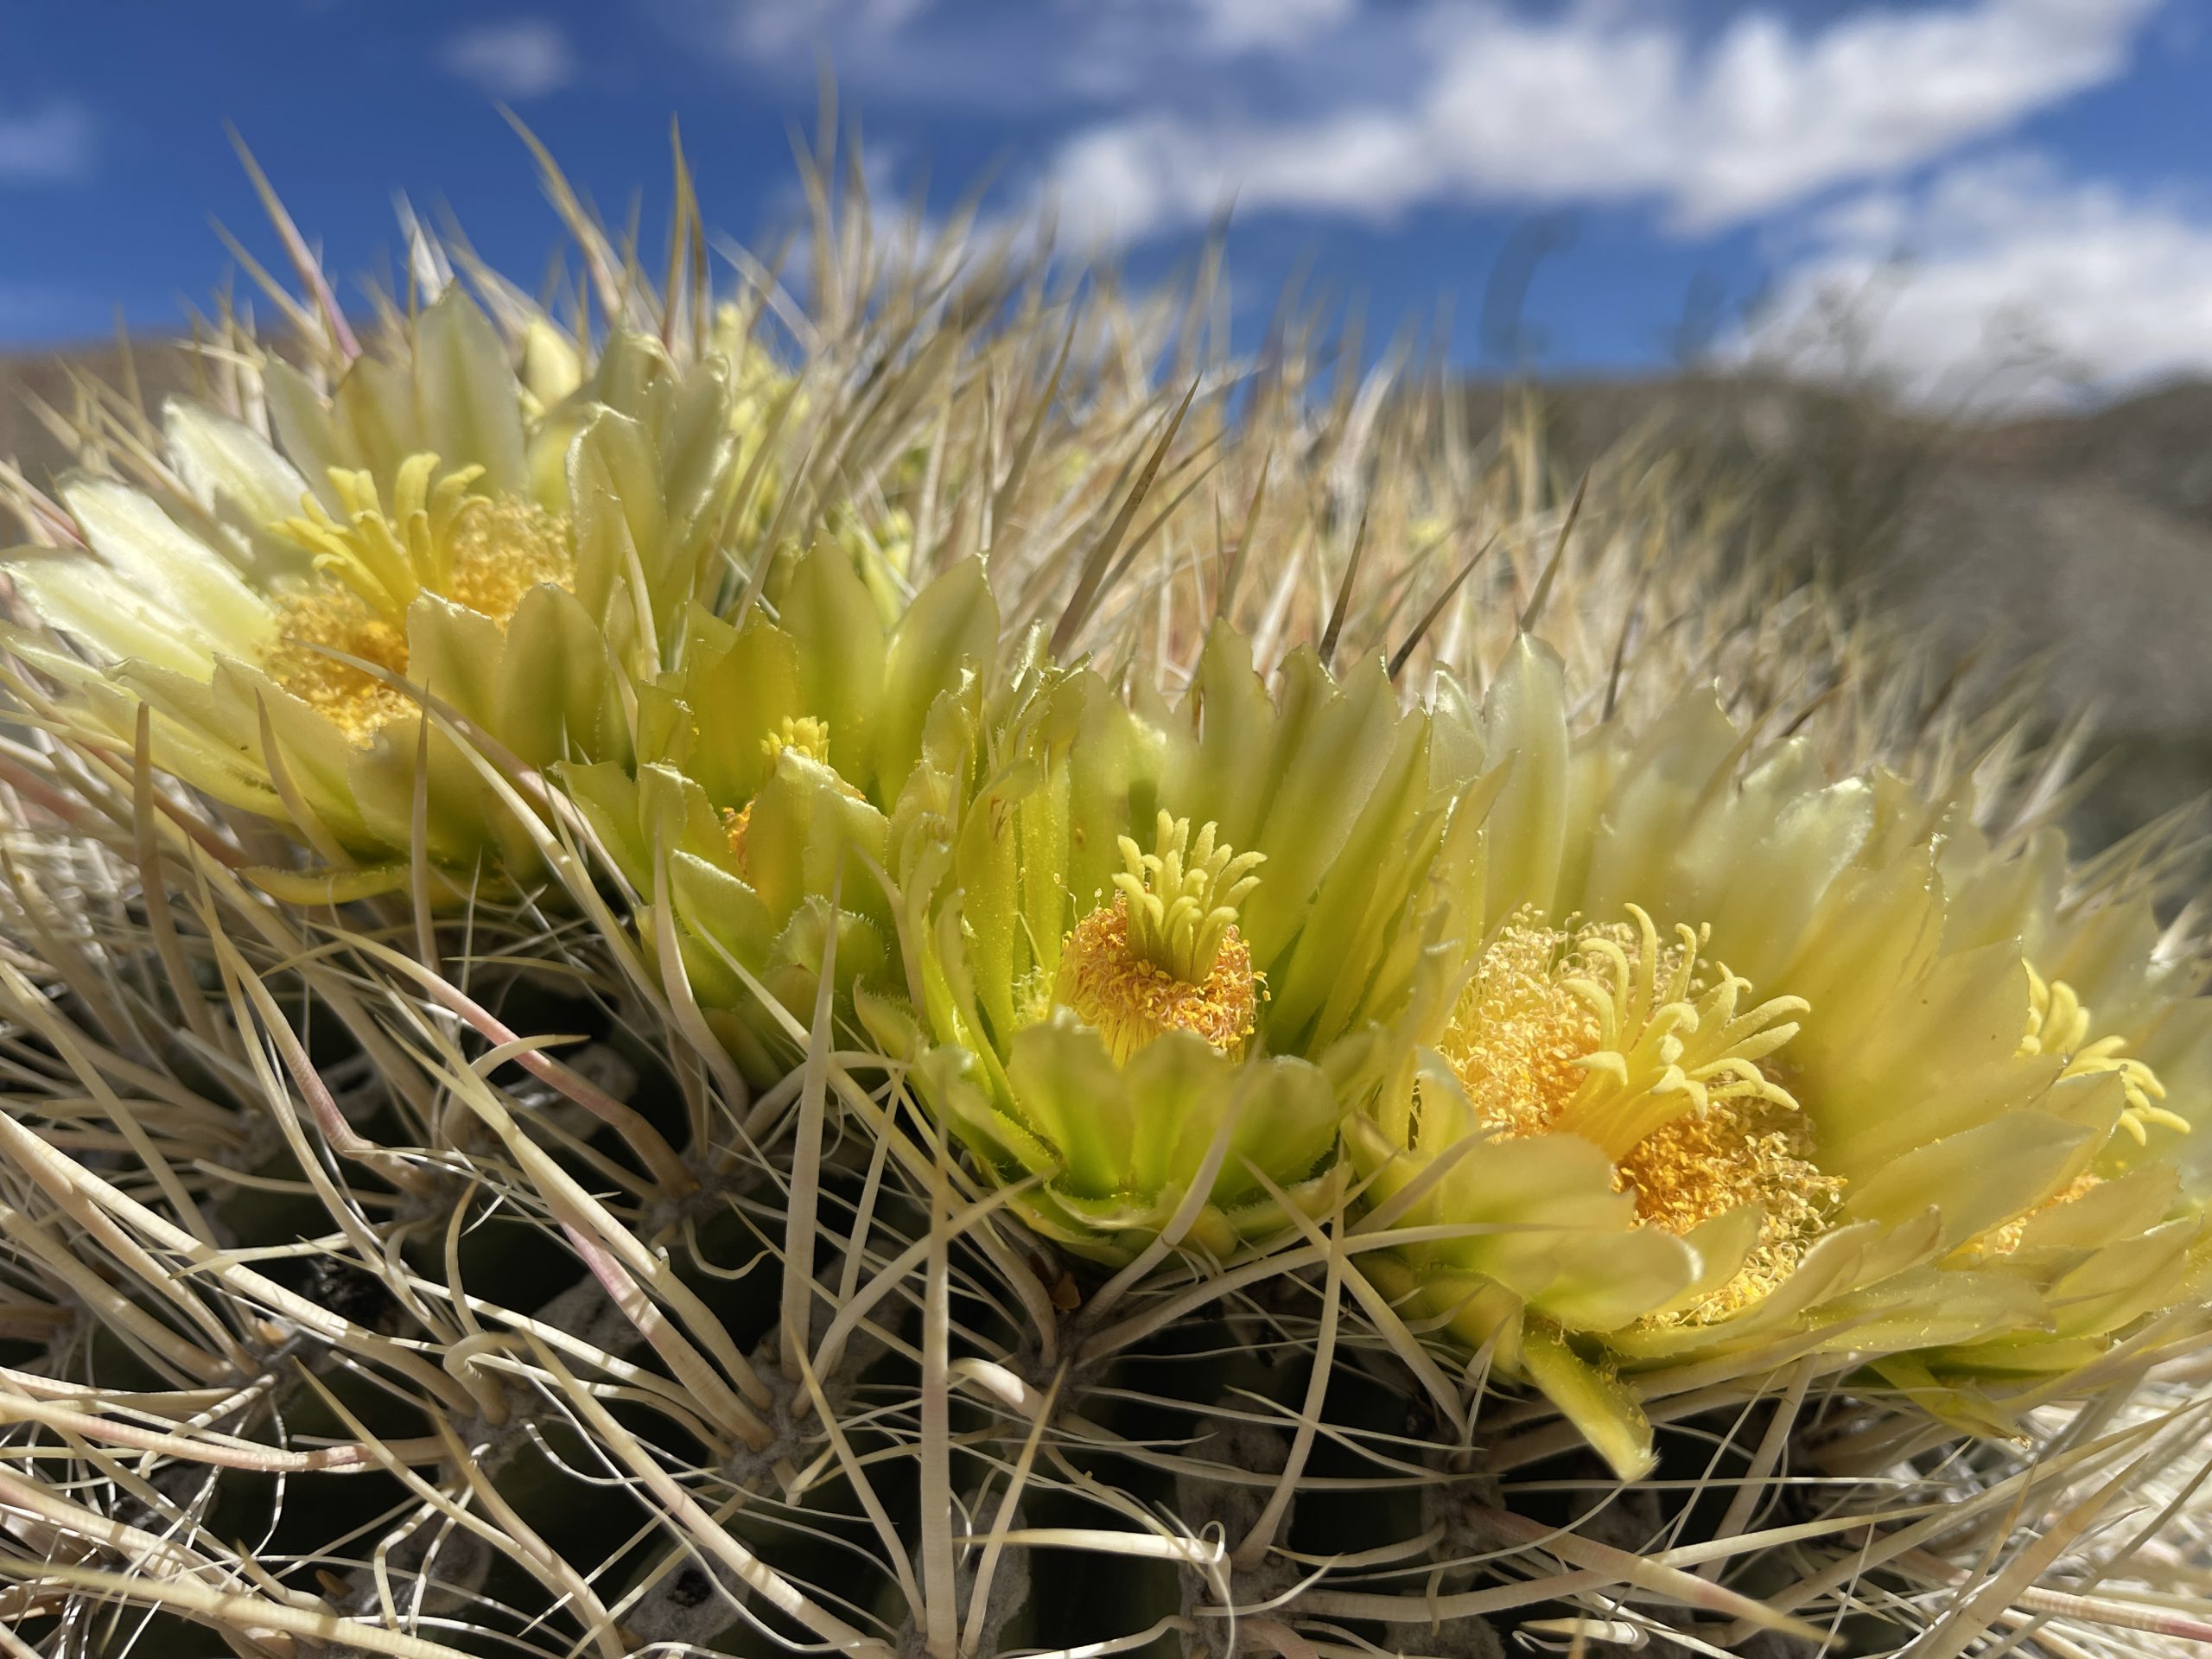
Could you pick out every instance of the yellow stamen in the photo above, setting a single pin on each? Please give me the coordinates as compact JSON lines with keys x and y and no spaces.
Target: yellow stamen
{"x":500,"y":549}
{"x":1519,"y":1036}
{"x":1603,"y":1031}
{"x":329,"y":619}
{"x":1183,"y":899}
{"x":2058,"y":1024}
{"x":1166,"y":955}
{"x":810,"y":736}
{"x":483,"y":554}
{"x":1746,"y":1150}
{"x":385,"y":559}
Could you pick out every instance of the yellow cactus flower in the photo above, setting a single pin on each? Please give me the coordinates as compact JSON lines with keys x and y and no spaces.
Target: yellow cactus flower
{"x":1839,"y":1140}
{"x":1163,"y":1041}
{"x":418,"y":540}
{"x":769,"y":764}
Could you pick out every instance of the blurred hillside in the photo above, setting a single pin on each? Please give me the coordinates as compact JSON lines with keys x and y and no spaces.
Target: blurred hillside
{"x":30,"y":377}
{"x":2083,"y":540}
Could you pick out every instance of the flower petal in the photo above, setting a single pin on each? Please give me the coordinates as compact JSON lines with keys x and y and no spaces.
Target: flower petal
{"x":234,"y":472}
{"x":98,"y":604}
{"x":468,"y":405}
{"x":1975,"y":1180}
{"x":172,"y":567}
{"x":952,"y":623}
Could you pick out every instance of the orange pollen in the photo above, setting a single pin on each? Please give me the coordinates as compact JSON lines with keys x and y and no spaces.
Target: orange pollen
{"x":735,"y":820}
{"x":329,"y":619}
{"x":1734,"y":1153}
{"x":1130,"y":1002}
{"x":2004,"y":1239}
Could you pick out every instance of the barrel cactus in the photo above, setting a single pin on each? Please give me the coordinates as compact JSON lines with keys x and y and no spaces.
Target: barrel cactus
{"x":910,"y":990}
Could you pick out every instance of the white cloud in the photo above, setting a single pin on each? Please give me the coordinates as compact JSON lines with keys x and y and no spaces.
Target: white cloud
{"x":49,"y":143}
{"x":1124,"y":182}
{"x":1024,"y":49}
{"x":1248,"y":25}
{"x":1055,"y":59}
{"x":525,"y":58}
{"x":1602,"y":104}
{"x":1999,"y":281}
{"x":770,"y":29}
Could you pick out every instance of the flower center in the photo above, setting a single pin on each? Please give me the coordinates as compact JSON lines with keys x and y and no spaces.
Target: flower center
{"x":2059,"y":1024}
{"x":1164,"y":955}
{"x":1603,"y":1031}
{"x":482,"y":553}
{"x":312,"y":625}
{"x":809,"y":737}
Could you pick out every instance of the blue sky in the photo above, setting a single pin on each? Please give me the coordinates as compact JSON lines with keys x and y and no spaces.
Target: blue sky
{"x":1976,"y":182}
